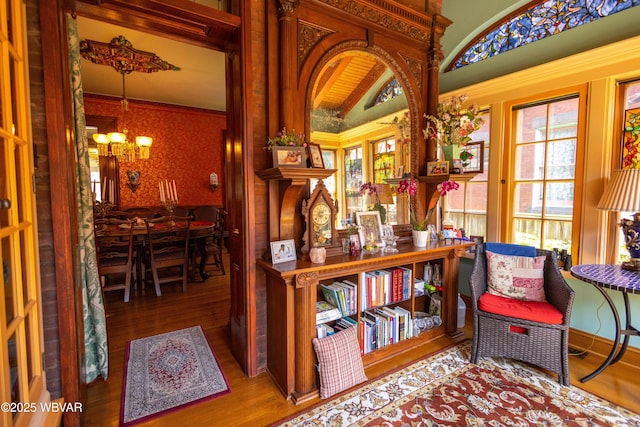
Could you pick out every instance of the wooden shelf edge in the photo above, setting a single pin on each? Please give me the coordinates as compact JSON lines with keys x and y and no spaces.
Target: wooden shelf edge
{"x":281,"y":173}
{"x":437,"y":179}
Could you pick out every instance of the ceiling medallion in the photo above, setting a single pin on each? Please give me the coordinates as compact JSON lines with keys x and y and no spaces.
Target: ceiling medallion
{"x":121,"y":55}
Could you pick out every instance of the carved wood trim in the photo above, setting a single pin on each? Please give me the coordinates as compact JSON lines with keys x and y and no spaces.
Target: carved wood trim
{"x":387,"y":15}
{"x":308,"y":36}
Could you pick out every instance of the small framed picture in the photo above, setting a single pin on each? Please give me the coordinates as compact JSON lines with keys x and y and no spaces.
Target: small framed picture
{"x":457,"y":166}
{"x":354,"y":240}
{"x":289,"y":156}
{"x":475,"y":160}
{"x":370,"y":229}
{"x":315,"y":155}
{"x":437,"y":168}
{"x":283,"y":251}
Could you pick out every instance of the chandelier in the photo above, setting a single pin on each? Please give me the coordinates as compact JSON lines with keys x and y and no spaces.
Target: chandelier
{"x":121,"y":147}
{"x":121,"y":55}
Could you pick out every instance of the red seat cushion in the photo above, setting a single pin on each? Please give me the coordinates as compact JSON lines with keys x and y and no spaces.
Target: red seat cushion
{"x":536,"y":311}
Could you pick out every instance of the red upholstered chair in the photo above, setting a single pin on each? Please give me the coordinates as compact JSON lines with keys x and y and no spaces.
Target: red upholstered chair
{"x":518,"y":325}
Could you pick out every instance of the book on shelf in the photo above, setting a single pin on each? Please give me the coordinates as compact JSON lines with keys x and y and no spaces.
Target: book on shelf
{"x":325,"y":312}
{"x":324,"y":330}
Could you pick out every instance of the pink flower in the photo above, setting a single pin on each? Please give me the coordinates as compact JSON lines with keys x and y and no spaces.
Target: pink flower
{"x":410,"y":187}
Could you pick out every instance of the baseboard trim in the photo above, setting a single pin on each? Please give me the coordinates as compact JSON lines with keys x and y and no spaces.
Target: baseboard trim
{"x":583,"y":341}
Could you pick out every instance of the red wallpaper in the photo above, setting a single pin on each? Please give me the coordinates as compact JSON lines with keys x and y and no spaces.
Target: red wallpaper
{"x":187,"y":147}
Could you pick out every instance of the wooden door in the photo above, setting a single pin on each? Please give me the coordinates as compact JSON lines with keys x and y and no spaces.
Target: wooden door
{"x":22,"y":387}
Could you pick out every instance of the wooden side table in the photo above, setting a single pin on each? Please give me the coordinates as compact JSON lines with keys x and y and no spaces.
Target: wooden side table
{"x":614,"y":277}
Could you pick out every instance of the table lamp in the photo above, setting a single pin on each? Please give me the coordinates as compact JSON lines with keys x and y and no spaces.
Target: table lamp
{"x":622,"y":193}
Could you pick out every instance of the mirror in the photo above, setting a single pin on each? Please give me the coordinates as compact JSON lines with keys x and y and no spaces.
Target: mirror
{"x":103,"y":169}
{"x":358,"y":113}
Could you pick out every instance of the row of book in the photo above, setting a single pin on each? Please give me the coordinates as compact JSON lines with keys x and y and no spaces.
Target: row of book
{"x":382,"y":287}
{"x":343,"y":295}
{"x":384,"y":326}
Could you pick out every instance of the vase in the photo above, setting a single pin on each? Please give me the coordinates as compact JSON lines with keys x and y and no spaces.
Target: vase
{"x":420,"y":238}
{"x":318,"y":255}
{"x":451,"y":151}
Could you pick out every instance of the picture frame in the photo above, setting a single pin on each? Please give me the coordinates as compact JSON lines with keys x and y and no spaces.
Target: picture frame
{"x":476,"y":163}
{"x":283,"y":251}
{"x":437,"y":168}
{"x":315,"y":155}
{"x":370,"y":227}
{"x":289,"y":156}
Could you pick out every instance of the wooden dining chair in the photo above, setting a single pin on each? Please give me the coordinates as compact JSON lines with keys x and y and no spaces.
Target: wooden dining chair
{"x":213,"y":245}
{"x":115,"y":256}
{"x":168,"y":250}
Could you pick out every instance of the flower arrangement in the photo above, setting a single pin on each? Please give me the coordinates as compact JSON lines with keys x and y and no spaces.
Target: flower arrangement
{"x":453,"y":125}
{"x":284,"y":138}
{"x":410,"y":187}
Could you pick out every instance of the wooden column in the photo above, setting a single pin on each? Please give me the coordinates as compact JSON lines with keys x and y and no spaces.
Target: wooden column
{"x":288,"y":62}
{"x":306,"y":289}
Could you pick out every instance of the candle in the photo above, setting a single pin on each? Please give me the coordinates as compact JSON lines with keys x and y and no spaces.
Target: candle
{"x":175,"y":192}
{"x":111,"y":191}
{"x":104,"y":188}
{"x":161,"y":191}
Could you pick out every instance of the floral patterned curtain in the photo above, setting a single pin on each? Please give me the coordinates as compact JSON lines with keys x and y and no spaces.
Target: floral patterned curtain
{"x":96,"y":354}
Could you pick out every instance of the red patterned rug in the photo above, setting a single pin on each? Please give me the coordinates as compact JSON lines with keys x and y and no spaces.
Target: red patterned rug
{"x":447,"y":390}
{"x":167,"y":372}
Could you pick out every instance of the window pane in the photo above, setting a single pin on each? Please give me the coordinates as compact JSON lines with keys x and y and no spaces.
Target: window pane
{"x":562,"y":159}
{"x":353,"y":181}
{"x":476,"y":194}
{"x":557,"y":235}
{"x":559,"y":199}
{"x":528,"y":199}
{"x":563,"y":117}
{"x":530,"y":161}
{"x":527,"y":232}
{"x":531,"y":124}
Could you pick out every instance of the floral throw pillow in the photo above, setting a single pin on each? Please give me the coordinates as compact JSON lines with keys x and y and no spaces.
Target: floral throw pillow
{"x":517,"y":277}
{"x":339,"y":362}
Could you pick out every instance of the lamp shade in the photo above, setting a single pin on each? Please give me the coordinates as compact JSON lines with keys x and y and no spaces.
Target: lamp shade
{"x":622,"y":193}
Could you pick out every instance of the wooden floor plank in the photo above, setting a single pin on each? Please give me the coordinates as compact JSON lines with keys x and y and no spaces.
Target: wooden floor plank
{"x":257,"y":401}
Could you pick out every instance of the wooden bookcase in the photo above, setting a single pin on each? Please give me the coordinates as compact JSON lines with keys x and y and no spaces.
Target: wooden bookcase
{"x":292,"y":292}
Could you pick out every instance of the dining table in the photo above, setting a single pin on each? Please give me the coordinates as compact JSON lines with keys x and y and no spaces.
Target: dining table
{"x":198,"y":231}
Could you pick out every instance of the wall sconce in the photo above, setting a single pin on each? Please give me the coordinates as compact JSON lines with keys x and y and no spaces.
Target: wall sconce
{"x":213,"y":181}
{"x":134,"y":180}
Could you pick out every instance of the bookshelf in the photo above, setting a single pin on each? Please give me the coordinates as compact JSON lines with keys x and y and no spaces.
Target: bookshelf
{"x":294,"y":288}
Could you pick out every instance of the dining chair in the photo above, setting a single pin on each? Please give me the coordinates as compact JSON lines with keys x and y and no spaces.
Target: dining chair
{"x":115,"y":256}
{"x":168,"y":250}
{"x":213,"y":245}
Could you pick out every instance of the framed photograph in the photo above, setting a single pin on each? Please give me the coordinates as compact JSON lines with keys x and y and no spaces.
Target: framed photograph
{"x":283,"y":251}
{"x":476,"y":162}
{"x":370,"y":227}
{"x":354,"y":239}
{"x":315,"y":155}
{"x":437,"y":168}
{"x":289,"y":156}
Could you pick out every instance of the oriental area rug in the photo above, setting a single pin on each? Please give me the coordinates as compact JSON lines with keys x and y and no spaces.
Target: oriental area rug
{"x":168,"y":371}
{"x":447,"y":390}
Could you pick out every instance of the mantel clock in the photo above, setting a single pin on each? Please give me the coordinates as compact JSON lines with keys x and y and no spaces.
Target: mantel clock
{"x":320,"y":217}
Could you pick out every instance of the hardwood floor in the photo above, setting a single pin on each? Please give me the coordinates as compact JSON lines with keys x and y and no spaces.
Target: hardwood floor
{"x":257,"y":401}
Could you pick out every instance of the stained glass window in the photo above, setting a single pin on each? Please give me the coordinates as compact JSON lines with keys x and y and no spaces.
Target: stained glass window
{"x":536,"y":23}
